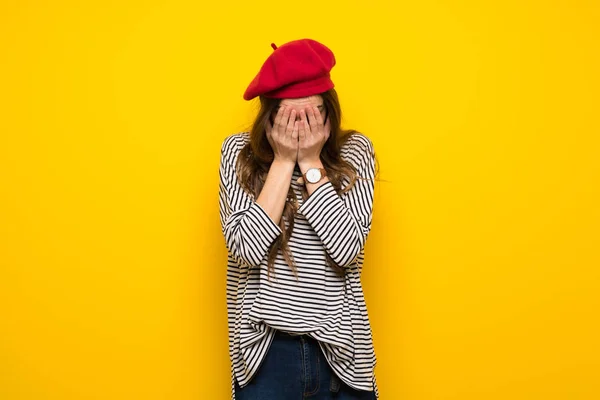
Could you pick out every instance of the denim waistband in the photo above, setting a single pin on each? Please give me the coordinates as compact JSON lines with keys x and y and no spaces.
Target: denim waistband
{"x":292,"y":334}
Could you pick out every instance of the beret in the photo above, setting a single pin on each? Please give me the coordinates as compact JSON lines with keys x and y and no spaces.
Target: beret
{"x":299,"y":68}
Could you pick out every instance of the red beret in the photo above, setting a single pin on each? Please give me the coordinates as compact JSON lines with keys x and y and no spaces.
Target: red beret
{"x":296,"y":69}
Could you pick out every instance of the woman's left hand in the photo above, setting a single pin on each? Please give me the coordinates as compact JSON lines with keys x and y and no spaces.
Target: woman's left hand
{"x":312,"y":135}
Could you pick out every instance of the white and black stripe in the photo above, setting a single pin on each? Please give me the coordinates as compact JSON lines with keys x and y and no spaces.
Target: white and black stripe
{"x":327,"y":307}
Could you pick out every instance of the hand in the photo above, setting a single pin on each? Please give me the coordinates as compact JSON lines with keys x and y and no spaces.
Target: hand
{"x":312,"y":135}
{"x":283,"y":135}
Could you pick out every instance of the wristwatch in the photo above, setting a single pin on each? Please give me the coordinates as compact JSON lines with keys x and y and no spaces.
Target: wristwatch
{"x":314,"y":175}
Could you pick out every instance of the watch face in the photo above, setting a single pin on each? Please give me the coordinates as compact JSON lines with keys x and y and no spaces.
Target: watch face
{"x":313,"y":175}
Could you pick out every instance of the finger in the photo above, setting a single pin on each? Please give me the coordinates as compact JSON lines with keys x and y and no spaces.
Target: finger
{"x":279,"y":117}
{"x":268,"y":128}
{"x":327,"y":128}
{"x":286,"y":117}
{"x":312,"y":120}
{"x":291,"y":122}
{"x":295,"y":131}
{"x":318,"y":116}
{"x":302,"y":125}
{"x":307,"y":131}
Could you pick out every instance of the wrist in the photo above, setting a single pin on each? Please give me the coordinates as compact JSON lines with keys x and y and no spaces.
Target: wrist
{"x":284,"y":163}
{"x":305,"y":165}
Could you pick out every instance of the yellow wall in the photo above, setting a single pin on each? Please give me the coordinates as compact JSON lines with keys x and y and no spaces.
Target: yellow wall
{"x":482,"y":267}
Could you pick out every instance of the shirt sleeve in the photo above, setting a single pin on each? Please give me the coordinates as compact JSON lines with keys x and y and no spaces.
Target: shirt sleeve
{"x":343,"y":222}
{"x":248,"y":229}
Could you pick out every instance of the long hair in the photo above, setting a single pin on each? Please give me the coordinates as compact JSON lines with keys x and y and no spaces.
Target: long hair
{"x":256,"y":156}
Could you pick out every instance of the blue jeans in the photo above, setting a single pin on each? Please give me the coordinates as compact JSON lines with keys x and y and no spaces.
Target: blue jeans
{"x":295,"y":368}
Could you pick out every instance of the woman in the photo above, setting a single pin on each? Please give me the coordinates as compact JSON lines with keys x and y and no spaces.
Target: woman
{"x":296,"y":200}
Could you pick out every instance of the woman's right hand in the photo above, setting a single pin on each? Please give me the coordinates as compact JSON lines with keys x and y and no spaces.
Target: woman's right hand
{"x":283,"y":135}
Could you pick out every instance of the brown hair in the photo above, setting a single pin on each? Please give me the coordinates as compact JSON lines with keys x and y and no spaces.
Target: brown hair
{"x":255,"y":158}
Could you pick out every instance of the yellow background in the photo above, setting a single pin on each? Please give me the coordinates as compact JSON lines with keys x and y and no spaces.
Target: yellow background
{"x":482,"y":270}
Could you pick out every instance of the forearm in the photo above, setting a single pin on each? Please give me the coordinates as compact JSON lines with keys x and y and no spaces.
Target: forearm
{"x":275,"y":189}
{"x":342,"y":221}
{"x":343,"y":234}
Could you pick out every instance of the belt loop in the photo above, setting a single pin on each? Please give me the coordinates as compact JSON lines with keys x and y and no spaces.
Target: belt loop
{"x":334,"y":384}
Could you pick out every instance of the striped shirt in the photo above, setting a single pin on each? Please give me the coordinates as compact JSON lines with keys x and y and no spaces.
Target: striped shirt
{"x":320,"y":303}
